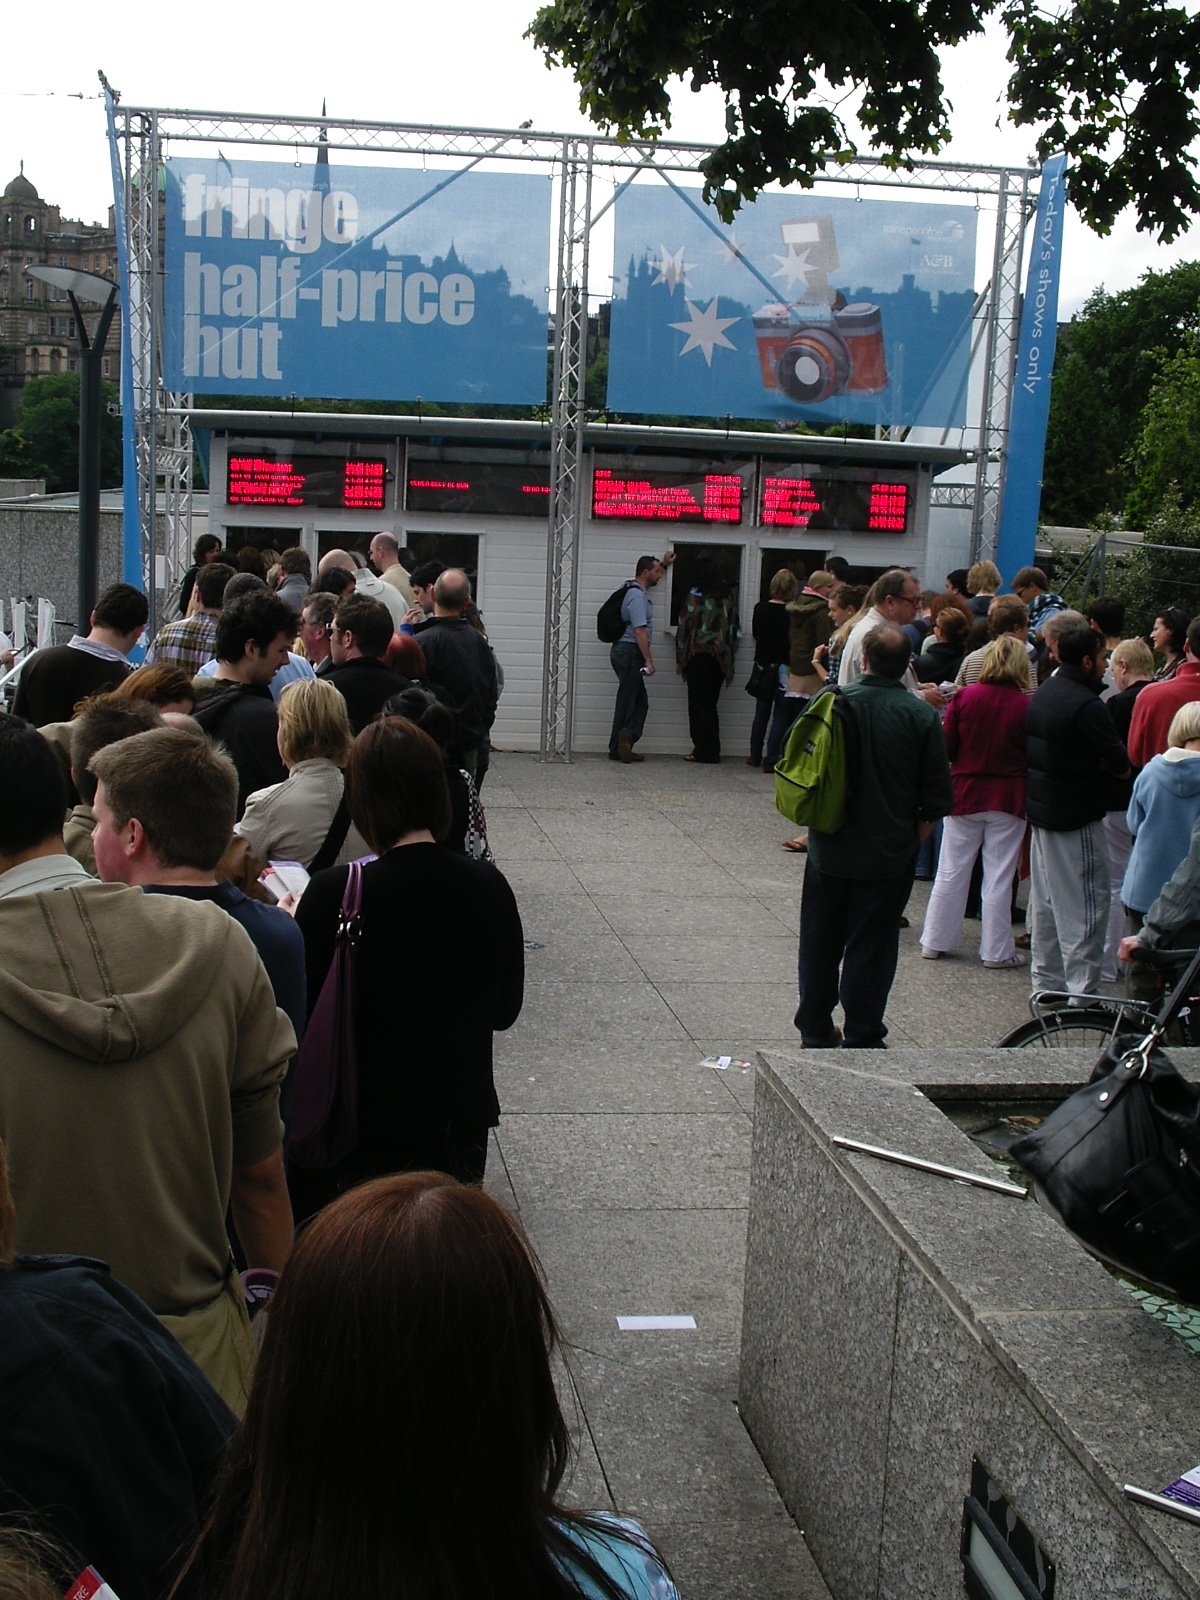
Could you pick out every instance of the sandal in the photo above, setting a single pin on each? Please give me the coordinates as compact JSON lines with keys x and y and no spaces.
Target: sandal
{"x":797,"y":846}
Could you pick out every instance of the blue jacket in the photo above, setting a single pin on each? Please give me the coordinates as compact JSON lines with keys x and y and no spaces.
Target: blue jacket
{"x":1162,"y":812}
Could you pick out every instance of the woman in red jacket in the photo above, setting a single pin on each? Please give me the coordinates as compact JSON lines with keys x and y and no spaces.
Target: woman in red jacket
{"x":985,"y":739}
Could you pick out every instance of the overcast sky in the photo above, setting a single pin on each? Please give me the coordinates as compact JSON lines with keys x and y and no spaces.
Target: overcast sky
{"x":459,"y":65}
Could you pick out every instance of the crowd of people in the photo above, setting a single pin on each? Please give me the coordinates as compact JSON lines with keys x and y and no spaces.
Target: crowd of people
{"x":251,"y":877}
{"x":248,"y":878}
{"x":1065,"y":755}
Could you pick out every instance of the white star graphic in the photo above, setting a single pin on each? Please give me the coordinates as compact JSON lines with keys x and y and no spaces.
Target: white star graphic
{"x":705,"y":329}
{"x":730,"y":250}
{"x":792,"y":266}
{"x":671,"y":269}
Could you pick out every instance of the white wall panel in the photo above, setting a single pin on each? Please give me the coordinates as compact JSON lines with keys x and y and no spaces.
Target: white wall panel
{"x":512,"y":597}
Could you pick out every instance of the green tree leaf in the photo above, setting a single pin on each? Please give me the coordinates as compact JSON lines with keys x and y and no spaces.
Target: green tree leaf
{"x":1112,"y":82}
{"x":1107,"y":362}
{"x":48,"y":425}
{"x":1164,"y":456}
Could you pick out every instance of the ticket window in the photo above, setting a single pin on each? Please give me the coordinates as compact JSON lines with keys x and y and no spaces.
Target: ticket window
{"x":344,"y":539}
{"x":697,"y":563}
{"x":451,"y":549}
{"x":800,"y":562}
{"x":261,"y":538}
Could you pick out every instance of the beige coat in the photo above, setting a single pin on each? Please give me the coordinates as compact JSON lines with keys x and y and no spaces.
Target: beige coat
{"x":398,"y":579}
{"x":289,"y":821}
{"x":141,"y":1054}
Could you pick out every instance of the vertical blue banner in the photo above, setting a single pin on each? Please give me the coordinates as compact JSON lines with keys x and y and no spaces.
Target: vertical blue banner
{"x":131,"y":533}
{"x":1017,"y":534}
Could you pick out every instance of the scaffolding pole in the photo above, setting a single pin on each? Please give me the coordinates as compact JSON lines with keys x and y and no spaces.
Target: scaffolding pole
{"x":567,"y":420}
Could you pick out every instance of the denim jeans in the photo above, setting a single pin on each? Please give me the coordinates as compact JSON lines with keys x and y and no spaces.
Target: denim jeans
{"x":852,"y":924}
{"x":787,"y":709}
{"x":763,"y":708}
{"x":632,"y":700}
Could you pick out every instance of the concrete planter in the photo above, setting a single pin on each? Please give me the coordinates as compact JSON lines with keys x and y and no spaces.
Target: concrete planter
{"x":897,"y":1324}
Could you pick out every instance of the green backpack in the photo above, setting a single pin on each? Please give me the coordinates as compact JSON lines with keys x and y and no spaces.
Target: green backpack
{"x":812,"y":777}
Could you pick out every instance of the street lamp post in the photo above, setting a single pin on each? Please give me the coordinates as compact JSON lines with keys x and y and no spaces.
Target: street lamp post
{"x":91,"y":287}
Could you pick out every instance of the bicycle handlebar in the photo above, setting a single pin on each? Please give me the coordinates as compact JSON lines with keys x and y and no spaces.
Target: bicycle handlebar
{"x":1163,"y":960}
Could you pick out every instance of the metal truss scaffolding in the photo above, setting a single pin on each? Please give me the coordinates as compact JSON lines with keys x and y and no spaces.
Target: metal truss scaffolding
{"x":567,"y":419}
{"x":164,"y":447}
{"x":1000,"y":360}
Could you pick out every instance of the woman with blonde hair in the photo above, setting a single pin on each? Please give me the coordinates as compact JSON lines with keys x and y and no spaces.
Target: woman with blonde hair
{"x":982,"y":582}
{"x":305,"y":818}
{"x":985,"y":740}
{"x":848,"y":604}
{"x":1162,"y":811}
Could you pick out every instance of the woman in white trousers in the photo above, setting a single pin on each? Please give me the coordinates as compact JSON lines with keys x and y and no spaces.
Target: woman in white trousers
{"x":985,"y":739}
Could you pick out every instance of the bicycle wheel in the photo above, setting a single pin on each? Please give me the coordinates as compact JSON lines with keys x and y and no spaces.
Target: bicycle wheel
{"x":1074,"y":1028}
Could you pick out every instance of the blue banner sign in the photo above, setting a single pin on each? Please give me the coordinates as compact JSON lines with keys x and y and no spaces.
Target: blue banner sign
{"x":807,"y":308}
{"x":356,"y":283}
{"x":1030,"y":411}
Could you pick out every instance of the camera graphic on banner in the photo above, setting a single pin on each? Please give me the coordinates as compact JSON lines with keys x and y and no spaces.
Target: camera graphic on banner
{"x":822,"y":308}
{"x":818,"y":346}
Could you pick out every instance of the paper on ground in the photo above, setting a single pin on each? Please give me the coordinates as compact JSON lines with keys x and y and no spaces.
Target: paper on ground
{"x":642,"y":1324}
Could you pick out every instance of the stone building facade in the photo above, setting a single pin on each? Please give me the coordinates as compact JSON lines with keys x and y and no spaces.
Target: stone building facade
{"x":37,"y":326}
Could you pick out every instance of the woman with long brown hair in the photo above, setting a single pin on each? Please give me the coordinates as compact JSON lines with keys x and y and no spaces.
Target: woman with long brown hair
{"x":404,"y":1439}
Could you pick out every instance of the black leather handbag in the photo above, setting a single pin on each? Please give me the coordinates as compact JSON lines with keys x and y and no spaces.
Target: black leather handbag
{"x":1119,"y":1162}
{"x":761,"y":682}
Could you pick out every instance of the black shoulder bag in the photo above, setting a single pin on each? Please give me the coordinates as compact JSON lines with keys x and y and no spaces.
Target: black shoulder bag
{"x":1119,"y":1162}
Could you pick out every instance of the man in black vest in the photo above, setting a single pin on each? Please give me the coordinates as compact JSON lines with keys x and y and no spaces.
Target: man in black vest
{"x":459,"y":665}
{"x":362,"y":631}
{"x":1075,"y":754}
{"x":253,"y":636}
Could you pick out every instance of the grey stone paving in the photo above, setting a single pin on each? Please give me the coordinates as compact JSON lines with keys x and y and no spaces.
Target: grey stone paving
{"x":668,"y":913}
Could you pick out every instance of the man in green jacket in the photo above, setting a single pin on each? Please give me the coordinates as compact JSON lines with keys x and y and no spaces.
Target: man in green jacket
{"x":857,"y":880}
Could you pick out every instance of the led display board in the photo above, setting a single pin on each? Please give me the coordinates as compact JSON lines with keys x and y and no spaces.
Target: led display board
{"x":658,"y":496}
{"x":854,"y":500}
{"x":501,"y":488}
{"x":271,"y":479}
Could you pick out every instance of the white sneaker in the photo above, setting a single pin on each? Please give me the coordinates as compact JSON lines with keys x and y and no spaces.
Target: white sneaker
{"x":931,"y":955}
{"x":1015,"y":960}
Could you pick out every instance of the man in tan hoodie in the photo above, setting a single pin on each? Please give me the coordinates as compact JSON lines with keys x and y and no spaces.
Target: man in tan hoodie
{"x":141,"y":1055}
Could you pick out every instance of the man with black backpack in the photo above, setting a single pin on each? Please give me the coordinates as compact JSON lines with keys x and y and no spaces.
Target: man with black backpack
{"x":631,"y":654}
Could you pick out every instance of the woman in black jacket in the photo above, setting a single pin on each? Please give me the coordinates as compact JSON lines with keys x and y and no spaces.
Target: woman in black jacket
{"x":426,"y":1098}
{"x":771,"y":627}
